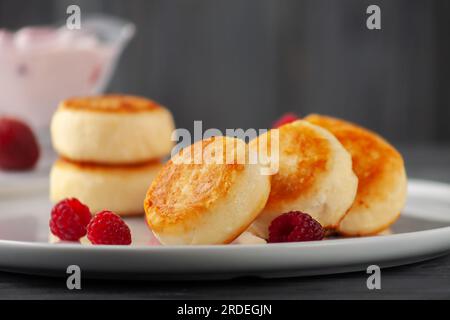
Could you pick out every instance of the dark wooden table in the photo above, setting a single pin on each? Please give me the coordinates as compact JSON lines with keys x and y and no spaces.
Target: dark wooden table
{"x":427,"y":280}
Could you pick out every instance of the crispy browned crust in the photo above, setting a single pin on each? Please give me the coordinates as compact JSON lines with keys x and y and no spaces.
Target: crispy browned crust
{"x":89,"y":166}
{"x":373,"y":157}
{"x":110,"y":103}
{"x":311,"y":152}
{"x":184,"y":191}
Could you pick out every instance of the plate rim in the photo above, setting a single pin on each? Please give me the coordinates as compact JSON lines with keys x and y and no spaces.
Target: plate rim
{"x":309,"y":244}
{"x":77,"y":247}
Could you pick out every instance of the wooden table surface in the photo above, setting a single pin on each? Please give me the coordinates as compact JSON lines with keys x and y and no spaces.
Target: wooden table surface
{"x":427,"y":280}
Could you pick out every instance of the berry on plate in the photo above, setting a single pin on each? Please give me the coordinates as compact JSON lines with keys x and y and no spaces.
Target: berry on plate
{"x":285,"y":119}
{"x":19,"y":149}
{"x":295,"y":226}
{"x":106,"y":227}
{"x":69,"y":219}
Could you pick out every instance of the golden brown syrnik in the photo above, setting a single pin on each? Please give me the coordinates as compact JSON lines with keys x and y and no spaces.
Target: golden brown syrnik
{"x":381,"y":173}
{"x":315,"y":176}
{"x":112,"y":129}
{"x":207,"y":202}
{"x":119,"y":188}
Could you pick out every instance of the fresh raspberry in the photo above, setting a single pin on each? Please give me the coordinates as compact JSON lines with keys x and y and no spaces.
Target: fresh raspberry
{"x":69,"y":219}
{"x":19,"y":149}
{"x":295,"y":226}
{"x":108,"y":228}
{"x":285,"y":119}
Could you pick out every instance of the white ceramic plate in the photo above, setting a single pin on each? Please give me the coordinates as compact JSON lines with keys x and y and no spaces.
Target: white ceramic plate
{"x":422,"y":232}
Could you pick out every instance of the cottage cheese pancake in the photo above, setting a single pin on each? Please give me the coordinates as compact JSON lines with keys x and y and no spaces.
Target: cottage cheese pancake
{"x":315,"y":176}
{"x":116,"y":188}
{"x":112,"y":129}
{"x":207,"y":201}
{"x":381,"y":173}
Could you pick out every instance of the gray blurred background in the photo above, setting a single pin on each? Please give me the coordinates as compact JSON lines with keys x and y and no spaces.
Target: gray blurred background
{"x":242,"y":63}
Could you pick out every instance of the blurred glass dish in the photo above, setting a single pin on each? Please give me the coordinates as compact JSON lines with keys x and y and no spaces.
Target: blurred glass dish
{"x":40,"y":66}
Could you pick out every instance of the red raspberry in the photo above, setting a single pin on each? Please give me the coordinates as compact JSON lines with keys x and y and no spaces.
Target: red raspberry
{"x":295,"y":226}
{"x":285,"y":119}
{"x":69,"y":219}
{"x":19,"y":149}
{"x":108,"y":228}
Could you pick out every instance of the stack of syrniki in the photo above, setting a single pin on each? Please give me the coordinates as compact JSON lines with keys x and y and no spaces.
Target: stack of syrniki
{"x":110,"y":147}
{"x":347,"y":178}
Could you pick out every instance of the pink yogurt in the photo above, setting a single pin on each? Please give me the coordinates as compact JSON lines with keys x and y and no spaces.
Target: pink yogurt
{"x":40,"y":66}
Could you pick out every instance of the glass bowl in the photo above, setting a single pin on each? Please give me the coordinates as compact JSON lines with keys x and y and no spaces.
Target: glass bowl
{"x":40,"y":66}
